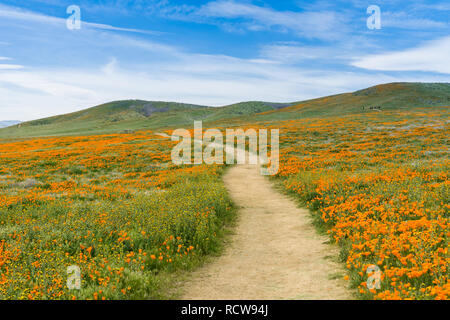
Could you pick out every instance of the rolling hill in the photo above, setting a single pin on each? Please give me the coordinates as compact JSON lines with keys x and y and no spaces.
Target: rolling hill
{"x":128,"y":115}
{"x":392,"y":96}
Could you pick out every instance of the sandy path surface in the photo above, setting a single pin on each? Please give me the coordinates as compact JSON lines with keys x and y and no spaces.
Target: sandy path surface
{"x":275,"y":253}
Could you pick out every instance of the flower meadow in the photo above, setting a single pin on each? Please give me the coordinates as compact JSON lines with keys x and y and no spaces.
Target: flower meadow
{"x":113,"y":205}
{"x":378,"y":184}
{"x":135,"y":224}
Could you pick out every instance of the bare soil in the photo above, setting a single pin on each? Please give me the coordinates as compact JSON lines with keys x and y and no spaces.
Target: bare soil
{"x":274,"y":253}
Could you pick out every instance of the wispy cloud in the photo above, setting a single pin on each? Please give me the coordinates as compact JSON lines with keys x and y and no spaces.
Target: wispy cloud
{"x":41,"y":82}
{"x":110,"y":67}
{"x":59,"y":71}
{"x":192,"y":78}
{"x":10,"y":66}
{"x":293,"y":53}
{"x":25,"y":15}
{"x":237,"y":15}
{"x":112,"y":28}
{"x":434,"y":6}
{"x":432,"y":56}
{"x":406,"y":20}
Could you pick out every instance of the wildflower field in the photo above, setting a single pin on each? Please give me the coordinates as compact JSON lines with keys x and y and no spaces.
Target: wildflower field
{"x":134,"y":223}
{"x":378,"y":183}
{"x":113,"y":205}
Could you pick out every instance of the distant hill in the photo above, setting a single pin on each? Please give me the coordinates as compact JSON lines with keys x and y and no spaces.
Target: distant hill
{"x":392,"y":96}
{"x":123,"y":116}
{"x":7,"y":123}
{"x":118,"y":111}
{"x":129,"y":115}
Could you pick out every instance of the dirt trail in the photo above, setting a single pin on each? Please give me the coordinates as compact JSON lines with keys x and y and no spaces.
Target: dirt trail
{"x":275,"y":253}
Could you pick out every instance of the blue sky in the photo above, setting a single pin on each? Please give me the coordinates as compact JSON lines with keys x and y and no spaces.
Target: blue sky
{"x":211,"y":52}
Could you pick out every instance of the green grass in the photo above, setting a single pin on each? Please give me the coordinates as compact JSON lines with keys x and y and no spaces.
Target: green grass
{"x":393,"y":96}
{"x":54,"y":228}
{"x":377,"y":184}
{"x":191,"y":210}
{"x":126,"y":115}
{"x":119,"y":116}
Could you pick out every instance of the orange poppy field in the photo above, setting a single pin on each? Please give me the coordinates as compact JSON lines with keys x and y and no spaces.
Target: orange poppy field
{"x":113,"y":205}
{"x":116,"y":206}
{"x":378,"y":184}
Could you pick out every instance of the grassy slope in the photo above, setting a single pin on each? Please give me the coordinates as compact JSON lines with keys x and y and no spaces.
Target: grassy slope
{"x":138,"y":114}
{"x":393,"y":96}
{"x":132,"y":115}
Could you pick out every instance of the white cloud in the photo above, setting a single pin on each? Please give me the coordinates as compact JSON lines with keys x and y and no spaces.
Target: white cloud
{"x":20,"y":14}
{"x":152,"y":70}
{"x":435,"y":6}
{"x":407,"y":21}
{"x":112,"y":28}
{"x":433,"y":56}
{"x":10,"y":66}
{"x":110,"y":67}
{"x":198,"y":79}
{"x":310,"y":24}
{"x":294,"y":53}
{"x":37,"y":81}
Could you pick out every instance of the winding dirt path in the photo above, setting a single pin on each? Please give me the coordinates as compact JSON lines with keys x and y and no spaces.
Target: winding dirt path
{"x":275,"y":253}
